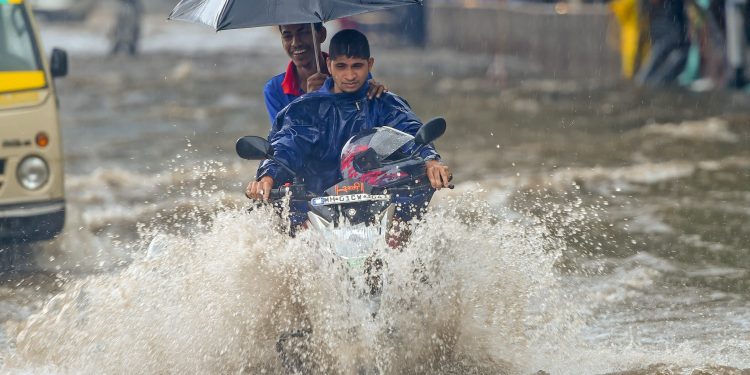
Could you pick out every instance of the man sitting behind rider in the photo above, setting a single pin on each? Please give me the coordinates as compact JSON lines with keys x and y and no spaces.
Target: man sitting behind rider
{"x":309,"y":134}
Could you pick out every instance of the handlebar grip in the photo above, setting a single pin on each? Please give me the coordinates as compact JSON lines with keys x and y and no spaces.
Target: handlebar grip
{"x":278,"y":193}
{"x":281,"y":192}
{"x":425,"y":185}
{"x":406,"y":189}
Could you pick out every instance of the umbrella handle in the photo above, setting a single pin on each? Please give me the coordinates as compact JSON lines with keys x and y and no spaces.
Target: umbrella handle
{"x":315,"y":45}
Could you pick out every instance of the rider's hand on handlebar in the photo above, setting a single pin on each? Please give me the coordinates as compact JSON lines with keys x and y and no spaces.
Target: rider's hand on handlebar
{"x":439,"y":174}
{"x":258,"y":190}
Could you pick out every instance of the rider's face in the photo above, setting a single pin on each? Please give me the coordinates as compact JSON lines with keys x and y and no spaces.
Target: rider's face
{"x":349,"y":73}
{"x":298,"y":42}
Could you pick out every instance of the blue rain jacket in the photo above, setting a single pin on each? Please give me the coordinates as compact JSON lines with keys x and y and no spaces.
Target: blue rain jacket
{"x":309,"y":134}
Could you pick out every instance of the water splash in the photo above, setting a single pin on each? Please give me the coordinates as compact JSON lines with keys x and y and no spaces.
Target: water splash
{"x":457,"y":299}
{"x":479,"y":289}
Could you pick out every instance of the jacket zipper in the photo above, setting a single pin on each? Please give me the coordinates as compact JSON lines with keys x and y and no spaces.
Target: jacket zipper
{"x":357,"y":104}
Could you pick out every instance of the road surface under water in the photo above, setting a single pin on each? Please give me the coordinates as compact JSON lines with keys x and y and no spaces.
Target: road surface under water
{"x":595,"y":228}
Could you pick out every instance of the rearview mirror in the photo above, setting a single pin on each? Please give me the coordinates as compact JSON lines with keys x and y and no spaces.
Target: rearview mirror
{"x":58,"y":64}
{"x":253,"y":148}
{"x":430,"y":131}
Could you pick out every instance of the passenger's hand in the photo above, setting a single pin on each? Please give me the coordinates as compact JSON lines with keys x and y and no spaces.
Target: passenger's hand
{"x":439,"y":174}
{"x":376,"y":89}
{"x":258,"y":190}
{"x":315,"y":81}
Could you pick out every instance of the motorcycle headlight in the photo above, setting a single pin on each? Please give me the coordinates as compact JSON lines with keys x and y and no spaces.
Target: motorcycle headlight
{"x":32,"y":172}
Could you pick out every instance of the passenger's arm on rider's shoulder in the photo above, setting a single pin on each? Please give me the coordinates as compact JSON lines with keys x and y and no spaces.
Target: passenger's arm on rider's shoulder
{"x":376,"y":88}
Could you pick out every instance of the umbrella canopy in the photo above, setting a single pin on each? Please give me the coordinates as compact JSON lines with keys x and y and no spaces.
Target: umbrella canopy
{"x":235,"y":14}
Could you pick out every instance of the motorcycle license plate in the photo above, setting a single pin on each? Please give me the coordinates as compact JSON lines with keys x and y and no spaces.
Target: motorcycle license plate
{"x":351,"y":198}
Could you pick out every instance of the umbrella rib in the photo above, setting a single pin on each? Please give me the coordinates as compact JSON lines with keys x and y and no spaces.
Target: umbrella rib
{"x":222,"y":14}
{"x":326,"y":17}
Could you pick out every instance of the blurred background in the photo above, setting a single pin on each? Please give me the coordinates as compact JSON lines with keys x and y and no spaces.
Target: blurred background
{"x":622,"y":126}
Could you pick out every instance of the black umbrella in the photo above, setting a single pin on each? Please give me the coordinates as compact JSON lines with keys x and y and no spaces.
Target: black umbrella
{"x":236,"y":14}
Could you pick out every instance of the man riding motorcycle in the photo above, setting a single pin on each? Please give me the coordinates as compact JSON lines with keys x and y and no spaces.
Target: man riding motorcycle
{"x":309,"y":134}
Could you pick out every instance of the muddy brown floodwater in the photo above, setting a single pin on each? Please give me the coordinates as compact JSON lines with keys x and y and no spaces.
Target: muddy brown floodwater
{"x":595,"y":228}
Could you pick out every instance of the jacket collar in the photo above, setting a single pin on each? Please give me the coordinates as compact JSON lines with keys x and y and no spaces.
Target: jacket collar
{"x":359,"y":94}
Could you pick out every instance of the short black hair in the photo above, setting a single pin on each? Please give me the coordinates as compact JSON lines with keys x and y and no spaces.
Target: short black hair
{"x":349,"y":43}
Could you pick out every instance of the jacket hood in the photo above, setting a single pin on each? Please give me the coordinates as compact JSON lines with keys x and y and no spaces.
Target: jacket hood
{"x":361,"y":93}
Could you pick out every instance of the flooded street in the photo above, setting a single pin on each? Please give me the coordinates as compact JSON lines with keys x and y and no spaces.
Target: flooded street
{"x":595,"y":227}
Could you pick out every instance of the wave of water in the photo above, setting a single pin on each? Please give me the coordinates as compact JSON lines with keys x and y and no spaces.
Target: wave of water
{"x":480,"y":289}
{"x":457,"y":297}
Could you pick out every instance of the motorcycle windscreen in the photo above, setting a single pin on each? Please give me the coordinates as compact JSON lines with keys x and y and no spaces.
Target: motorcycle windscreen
{"x":384,"y":141}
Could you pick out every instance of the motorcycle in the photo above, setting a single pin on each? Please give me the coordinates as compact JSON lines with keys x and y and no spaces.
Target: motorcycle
{"x":380,"y":181}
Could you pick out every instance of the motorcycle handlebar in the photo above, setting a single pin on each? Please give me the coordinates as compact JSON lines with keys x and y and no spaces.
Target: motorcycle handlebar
{"x":278,"y":193}
{"x":425,"y":184}
{"x":281,"y":192}
{"x":413,"y":188}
